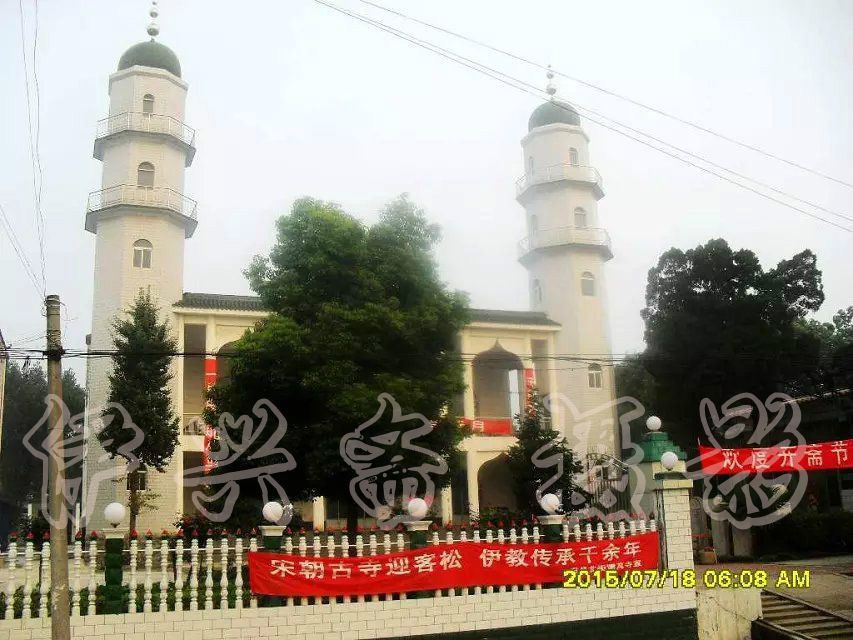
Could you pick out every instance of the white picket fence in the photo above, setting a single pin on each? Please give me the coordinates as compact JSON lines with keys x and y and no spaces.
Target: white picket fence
{"x":169,"y":575}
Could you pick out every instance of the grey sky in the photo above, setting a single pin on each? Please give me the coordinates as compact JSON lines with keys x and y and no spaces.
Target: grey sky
{"x":291,"y":99}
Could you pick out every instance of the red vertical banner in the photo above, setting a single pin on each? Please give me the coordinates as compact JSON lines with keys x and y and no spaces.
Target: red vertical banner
{"x":529,"y":381}
{"x":209,"y":434}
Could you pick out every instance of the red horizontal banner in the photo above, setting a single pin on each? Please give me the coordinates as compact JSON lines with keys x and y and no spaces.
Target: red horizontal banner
{"x":445,"y":566}
{"x":808,"y":457}
{"x":490,"y":426}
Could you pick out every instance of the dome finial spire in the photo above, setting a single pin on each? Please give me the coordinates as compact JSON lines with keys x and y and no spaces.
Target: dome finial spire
{"x":550,"y":88}
{"x":153,"y":27}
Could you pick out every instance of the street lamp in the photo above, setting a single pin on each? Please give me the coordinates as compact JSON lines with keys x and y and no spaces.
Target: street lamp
{"x":653,"y":423}
{"x":417,"y":508}
{"x":550,"y":503}
{"x":273,"y":512}
{"x":114,"y":513}
{"x":669,"y":459}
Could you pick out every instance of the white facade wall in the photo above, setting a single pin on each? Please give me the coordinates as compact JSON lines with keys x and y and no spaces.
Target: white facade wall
{"x":356,"y":620}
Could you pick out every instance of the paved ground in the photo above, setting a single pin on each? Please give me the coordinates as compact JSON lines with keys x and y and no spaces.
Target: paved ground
{"x":829,"y":587}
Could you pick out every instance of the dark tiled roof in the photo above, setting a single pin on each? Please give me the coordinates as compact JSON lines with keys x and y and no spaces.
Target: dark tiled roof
{"x":253,"y":303}
{"x":511,"y":317}
{"x":220,"y":301}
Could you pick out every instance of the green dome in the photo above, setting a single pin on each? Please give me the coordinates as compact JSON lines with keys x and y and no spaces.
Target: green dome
{"x":151,"y":54}
{"x":553,"y":112}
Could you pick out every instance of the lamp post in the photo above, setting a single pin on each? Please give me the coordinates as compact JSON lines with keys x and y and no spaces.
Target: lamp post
{"x":552,"y":523}
{"x":418,"y":528}
{"x":273,"y":513}
{"x":113,"y":551}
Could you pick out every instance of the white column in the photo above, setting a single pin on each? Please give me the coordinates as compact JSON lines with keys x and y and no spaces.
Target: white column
{"x":446,"y":505}
{"x":318,"y":513}
{"x":473,"y":487}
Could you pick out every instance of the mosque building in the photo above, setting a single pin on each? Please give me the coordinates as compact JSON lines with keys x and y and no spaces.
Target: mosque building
{"x":142,"y":218}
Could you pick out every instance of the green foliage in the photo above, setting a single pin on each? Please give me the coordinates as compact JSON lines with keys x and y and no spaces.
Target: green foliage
{"x":140,"y":383}
{"x":535,"y":434}
{"x":717,"y":324}
{"x":356,"y":311}
{"x":26,"y":390}
{"x":806,"y":531}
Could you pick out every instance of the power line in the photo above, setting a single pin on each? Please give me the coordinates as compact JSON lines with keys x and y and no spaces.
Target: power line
{"x":35,"y":156}
{"x":609,"y":92}
{"x":528,"y":88}
{"x":16,"y":246}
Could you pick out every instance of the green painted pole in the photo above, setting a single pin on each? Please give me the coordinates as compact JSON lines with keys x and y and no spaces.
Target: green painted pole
{"x":113,"y":558}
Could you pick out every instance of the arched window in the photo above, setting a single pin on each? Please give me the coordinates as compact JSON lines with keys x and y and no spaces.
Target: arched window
{"x":587,"y":284}
{"x":145,"y":175}
{"x":593,"y":374}
{"x":534,"y":225}
{"x":580,"y":218}
{"x":147,"y":103}
{"x":536,"y":290}
{"x":573,"y":157}
{"x":142,"y":250}
{"x":530,"y":164}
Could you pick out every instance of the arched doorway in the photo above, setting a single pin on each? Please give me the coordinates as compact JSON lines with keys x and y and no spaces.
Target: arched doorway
{"x":495,"y":487}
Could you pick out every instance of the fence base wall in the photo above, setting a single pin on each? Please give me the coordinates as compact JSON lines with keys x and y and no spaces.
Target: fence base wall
{"x":535,"y":610}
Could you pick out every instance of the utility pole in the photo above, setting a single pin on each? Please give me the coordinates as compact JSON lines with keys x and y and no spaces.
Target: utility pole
{"x":59,"y":605}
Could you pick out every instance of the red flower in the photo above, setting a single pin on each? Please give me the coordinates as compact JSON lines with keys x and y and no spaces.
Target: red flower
{"x":77,"y":536}
{"x":30,"y":536}
{"x":46,"y":535}
{"x":195,"y":533}
{"x":239,"y":533}
{"x":253,"y":532}
{"x":134,"y":534}
{"x":93,"y":535}
{"x":149,"y":535}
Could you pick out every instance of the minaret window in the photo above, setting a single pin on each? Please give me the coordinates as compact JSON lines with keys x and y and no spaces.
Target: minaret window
{"x":530,"y":165}
{"x":580,"y":218}
{"x":573,"y":157}
{"x":145,"y":175}
{"x":534,"y":225}
{"x":587,"y":284}
{"x":536,"y":289}
{"x":594,"y":376}
{"x":148,"y":103}
{"x":142,"y":250}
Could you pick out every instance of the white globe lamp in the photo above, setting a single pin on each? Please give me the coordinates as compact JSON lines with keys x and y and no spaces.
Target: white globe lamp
{"x":272,"y":512}
{"x":653,"y":423}
{"x":550,"y":503}
{"x":669,"y":459}
{"x":114,"y":513}
{"x":417,"y":508}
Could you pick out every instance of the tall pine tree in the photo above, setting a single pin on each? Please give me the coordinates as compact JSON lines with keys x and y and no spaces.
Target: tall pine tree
{"x":140,"y":383}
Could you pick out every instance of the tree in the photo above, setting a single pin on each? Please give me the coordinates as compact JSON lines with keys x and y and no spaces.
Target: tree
{"x":356,"y":311}
{"x":20,"y":470}
{"x":139,"y":382}
{"x":538,"y":441}
{"x":717,"y":324}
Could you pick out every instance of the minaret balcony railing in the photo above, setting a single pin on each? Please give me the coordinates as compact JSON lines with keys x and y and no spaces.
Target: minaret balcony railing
{"x":145,"y":122}
{"x":565,"y":236}
{"x":133,"y":195}
{"x":563,"y":171}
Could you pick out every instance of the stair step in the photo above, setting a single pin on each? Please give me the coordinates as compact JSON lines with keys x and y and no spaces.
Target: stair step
{"x":825,"y":625}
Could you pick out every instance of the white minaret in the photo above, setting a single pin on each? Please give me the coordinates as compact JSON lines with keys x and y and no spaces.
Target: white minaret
{"x":564,"y":252}
{"x":140,"y":219}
